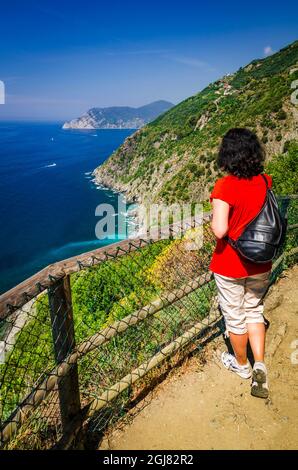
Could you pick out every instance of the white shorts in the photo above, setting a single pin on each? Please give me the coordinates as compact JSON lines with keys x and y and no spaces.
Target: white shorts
{"x":240,"y":300}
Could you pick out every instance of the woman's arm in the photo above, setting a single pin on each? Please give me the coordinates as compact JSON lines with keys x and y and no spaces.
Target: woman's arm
{"x":220,"y":218}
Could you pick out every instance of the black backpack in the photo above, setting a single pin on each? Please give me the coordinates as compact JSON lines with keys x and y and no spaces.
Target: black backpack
{"x":262,"y":237}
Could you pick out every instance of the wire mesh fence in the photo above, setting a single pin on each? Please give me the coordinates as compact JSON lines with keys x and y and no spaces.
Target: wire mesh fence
{"x":81,"y":339}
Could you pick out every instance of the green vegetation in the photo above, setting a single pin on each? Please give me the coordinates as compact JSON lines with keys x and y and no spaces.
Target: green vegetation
{"x":112,"y":290}
{"x":284,"y":170}
{"x":101,"y":295}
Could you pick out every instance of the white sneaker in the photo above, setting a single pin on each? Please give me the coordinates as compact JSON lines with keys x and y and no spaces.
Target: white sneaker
{"x":230,"y":363}
{"x":259,"y":386}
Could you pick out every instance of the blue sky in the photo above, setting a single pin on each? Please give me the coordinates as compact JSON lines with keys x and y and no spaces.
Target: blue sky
{"x":57,"y":59}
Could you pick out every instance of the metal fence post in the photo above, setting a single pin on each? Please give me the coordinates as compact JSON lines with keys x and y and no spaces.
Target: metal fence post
{"x":64,"y":341}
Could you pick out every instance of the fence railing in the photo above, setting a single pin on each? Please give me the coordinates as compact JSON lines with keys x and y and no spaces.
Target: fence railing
{"x":83,"y":337}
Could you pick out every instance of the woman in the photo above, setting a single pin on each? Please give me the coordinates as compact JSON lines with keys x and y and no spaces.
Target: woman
{"x":237,"y":198}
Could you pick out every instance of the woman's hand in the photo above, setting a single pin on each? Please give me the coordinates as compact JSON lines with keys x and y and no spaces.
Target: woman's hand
{"x":220,"y":218}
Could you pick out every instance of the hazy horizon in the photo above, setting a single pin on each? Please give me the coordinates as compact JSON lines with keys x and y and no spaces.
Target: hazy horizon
{"x":53,"y":120}
{"x":57,"y":61}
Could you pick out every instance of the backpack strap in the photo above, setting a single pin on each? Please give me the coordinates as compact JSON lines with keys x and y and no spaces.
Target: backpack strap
{"x":265,"y":179}
{"x":230,"y":240}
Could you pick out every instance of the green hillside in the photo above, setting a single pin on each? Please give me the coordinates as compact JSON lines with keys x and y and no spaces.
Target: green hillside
{"x":174,"y":157}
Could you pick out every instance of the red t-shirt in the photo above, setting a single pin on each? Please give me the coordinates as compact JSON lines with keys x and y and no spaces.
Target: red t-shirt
{"x":245,"y":198}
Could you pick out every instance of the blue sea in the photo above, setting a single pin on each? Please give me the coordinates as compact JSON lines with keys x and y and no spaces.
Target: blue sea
{"x":48,"y":198}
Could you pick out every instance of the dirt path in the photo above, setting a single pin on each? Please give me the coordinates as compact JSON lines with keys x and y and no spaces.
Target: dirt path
{"x":206,"y":407}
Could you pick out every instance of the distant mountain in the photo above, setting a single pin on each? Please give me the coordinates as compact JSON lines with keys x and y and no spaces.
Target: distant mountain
{"x":119,"y":117}
{"x":173,"y":158}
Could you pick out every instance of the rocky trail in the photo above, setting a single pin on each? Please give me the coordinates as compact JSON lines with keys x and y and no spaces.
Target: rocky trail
{"x":203,"y":406}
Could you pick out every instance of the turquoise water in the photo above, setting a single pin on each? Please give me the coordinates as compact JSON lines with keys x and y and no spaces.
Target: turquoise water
{"x":48,"y":199}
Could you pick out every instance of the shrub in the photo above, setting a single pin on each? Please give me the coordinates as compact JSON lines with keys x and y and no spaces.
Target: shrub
{"x":284,"y":170}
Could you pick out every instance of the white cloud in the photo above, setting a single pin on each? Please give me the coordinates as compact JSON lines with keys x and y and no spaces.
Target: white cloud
{"x":268,"y":50}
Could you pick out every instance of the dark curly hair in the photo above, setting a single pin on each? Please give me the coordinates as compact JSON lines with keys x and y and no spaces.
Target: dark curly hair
{"x":241,"y":153}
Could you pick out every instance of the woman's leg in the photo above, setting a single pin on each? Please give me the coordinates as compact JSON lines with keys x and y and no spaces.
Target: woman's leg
{"x":255,"y":287}
{"x":231,"y":296}
{"x":256,"y":335}
{"x":239,"y":345}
